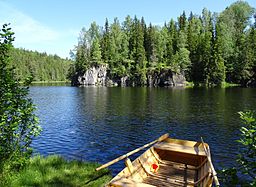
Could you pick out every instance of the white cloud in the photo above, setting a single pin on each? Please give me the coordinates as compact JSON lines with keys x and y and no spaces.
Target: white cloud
{"x":33,"y":35}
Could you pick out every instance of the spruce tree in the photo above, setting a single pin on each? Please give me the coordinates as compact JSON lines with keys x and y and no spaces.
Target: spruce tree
{"x":150,"y":47}
{"x":105,"y":43}
{"x":193,"y":35}
{"x":116,"y":49}
{"x":182,"y":21}
{"x":216,"y":67}
{"x":96,"y":57}
{"x":171,"y":43}
{"x":206,"y":45}
{"x":161,"y":46}
{"x":138,"y":52}
{"x":248,"y":64}
{"x":184,"y":62}
{"x":198,"y":46}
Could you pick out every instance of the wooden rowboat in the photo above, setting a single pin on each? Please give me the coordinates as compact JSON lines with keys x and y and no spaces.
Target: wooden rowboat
{"x":168,"y":162}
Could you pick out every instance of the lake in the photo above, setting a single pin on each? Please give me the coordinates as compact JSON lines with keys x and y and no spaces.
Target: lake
{"x":99,"y":123}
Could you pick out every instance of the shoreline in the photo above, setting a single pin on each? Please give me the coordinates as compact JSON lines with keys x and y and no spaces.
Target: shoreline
{"x":54,"y":170}
{"x":187,"y":85}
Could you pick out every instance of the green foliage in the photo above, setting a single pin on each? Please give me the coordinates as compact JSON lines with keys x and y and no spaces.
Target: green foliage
{"x":150,"y":46}
{"x":228,"y":177}
{"x":233,"y":23}
{"x":247,"y":69}
{"x":18,"y":123}
{"x":55,"y":171}
{"x":216,"y":67}
{"x":246,"y":158}
{"x":96,"y":52}
{"x":41,"y":66}
{"x":209,"y":49}
{"x":183,"y":59}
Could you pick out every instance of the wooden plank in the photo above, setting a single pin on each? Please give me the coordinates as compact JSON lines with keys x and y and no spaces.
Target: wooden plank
{"x":182,"y":158}
{"x":180,"y":148}
{"x":214,"y":173}
{"x":186,"y":143}
{"x":129,"y":165}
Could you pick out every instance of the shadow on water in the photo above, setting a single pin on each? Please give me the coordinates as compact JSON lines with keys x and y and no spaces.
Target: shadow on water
{"x":100,"y":124}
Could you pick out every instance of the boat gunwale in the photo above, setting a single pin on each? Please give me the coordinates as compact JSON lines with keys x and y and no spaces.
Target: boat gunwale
{"x":188,"y":143}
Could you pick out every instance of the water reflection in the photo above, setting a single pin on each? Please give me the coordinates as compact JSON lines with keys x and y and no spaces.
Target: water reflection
{"x":99,"y":123}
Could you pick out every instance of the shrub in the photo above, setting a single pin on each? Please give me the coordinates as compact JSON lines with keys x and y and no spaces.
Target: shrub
{"x":246,"y":158}
{"x":18,"y":123}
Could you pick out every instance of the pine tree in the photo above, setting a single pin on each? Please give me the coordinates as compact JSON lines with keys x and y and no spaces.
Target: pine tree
{"x":140,"y":58}
{"x":125,"y":69}
{"x":182,"y":20}
{"x":138,"y":51}
{"x":161,"y":46}
{"x":171,"y":43}
{"x":82,"y":59}
{"x":150,"y":46}
{"x":193,"y":35}
{"x":216,"y":67}
{"x":206,"y":45}
{"x":248,"y":66}
{"x":105,"y":43}
{"x":209,"y":48}
{"x":184,"y":62}
{"x":116,"y":49}
{"x":96,"y":53}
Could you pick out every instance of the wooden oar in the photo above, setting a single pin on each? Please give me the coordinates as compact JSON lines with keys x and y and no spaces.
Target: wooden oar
{"x":163,"y":137}
{"x":214,"y":173}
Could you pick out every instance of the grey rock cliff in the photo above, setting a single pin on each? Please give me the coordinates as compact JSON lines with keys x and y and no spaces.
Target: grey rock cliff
{"x":96,"y":75}
{"x":165,"y":78}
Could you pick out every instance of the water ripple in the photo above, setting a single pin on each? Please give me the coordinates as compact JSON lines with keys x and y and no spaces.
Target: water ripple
{"x":100,"y":124}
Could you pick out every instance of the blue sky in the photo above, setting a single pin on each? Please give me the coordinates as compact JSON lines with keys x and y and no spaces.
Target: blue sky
{"x":53,"y":26}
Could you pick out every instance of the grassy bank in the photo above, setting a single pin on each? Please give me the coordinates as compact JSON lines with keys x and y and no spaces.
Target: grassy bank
{"x":227,"y":85}
{"x":45,"y":82}
{"x":54,"y":171}
{"x":223,"y":85}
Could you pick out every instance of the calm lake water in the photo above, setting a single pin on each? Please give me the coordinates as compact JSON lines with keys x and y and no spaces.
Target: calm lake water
{"x":100,"y":124}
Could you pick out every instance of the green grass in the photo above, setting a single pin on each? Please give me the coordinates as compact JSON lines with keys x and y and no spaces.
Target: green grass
{"x":227,"y":85}
{"x":54,"y":171}
{"x":43,"y":82}
{"x":223,"y":85}
{"x":189,"y":84}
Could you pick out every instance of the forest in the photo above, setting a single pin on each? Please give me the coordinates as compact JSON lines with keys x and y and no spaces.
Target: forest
{"x":39,"y":66}
{"x":209,"y":49}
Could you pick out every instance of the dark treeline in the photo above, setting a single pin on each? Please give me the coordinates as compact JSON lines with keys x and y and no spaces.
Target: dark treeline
{"x":40,"y":66}
{"x":209,"y":48}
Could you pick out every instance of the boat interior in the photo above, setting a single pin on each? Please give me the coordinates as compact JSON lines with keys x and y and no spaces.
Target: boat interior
{"x":168,"y":163}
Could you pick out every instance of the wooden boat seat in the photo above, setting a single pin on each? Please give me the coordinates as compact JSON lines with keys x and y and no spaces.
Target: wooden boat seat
{"x":171,"y":176}
{"x":181,"y":163}
{"x":194,"y":150}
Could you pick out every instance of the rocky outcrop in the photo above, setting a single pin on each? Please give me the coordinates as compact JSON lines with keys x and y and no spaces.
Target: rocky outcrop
{"x":98,"y":75}
{"x":119,"y":81}
{"x":250,"y":83}
{"x":165,"y":78}
{"x":178,"y":79}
